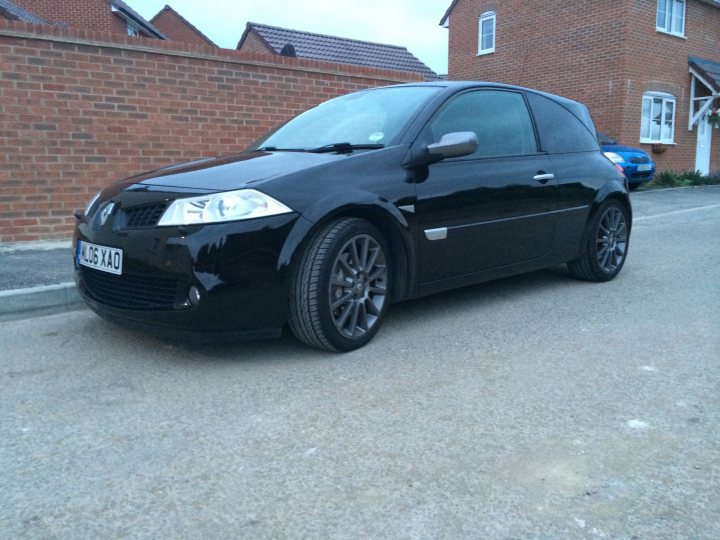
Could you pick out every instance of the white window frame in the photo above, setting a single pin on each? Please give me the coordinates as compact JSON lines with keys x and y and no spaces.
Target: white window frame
{"x":646,"y":128}
{"x":675,"y":16}
{"x":133,"y":30}
{"x":487,"y":16}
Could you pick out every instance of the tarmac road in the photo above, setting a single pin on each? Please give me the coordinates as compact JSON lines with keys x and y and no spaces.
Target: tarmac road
{"x":532,"y":407}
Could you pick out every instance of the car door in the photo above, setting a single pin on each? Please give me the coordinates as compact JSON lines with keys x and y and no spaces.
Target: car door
{"x":493,"y":208}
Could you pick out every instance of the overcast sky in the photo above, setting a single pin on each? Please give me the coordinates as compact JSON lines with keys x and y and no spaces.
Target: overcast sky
{"x":410,"y":23}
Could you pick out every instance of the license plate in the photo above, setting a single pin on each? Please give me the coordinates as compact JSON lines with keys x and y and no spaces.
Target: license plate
{"x":102,"y":258}
{"x":645,"y":167}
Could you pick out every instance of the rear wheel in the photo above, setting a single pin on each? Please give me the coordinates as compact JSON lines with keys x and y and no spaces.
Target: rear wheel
{"x":605,"y":245}
{"x":340,"y":289}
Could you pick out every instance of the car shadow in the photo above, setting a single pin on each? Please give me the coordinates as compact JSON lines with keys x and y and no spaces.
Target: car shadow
{"x":409,"y":314}
{"x":462,"y":299}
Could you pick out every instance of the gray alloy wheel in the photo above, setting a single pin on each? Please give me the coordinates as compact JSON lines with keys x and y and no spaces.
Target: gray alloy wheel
{"x":341,"y":286}
{"x":358,"y":286}
{"x":611,"y":239}
{"x":605,"y":245}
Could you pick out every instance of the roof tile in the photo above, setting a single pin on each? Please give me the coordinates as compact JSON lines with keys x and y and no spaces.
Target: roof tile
{"x":341,"y":50}
{"x":709,"y":69}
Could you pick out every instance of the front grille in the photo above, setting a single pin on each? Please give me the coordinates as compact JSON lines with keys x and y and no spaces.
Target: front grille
{"x":131,"y":291}
{"x":638,"y":160}
{"x":143,"y":216}
{"x":641,"y":174}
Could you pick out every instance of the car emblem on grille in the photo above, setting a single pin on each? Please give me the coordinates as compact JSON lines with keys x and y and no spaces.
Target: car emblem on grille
{"x":107,"y":211}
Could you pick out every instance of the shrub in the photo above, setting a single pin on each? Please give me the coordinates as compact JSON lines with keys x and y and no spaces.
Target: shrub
{"x":665,"y":179}
{"x":694,"y":178}
{"x":683,"y":179}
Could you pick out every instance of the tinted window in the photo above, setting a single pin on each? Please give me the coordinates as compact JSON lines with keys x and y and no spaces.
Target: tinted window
{"x":560,"y":130}
{"x":604,"y":138}
{"x":499,"y":119}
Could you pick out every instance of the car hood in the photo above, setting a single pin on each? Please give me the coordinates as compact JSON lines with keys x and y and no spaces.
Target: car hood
{"x":231,"y":172}
{"x":618,"y":148}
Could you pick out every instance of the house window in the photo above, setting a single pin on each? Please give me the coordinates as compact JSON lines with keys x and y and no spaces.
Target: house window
{"x":671,"y":17}
{"x":132,"y":30}
{"x":658,"y":118}
{"x":486,"y":33}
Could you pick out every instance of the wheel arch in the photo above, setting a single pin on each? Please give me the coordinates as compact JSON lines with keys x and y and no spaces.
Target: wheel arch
{"x":382,"y":214}
{"x":601,"y":196}
{"x":611,"y":193}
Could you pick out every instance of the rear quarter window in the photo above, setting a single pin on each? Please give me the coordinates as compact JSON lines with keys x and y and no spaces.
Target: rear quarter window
{"x":559,"y":130}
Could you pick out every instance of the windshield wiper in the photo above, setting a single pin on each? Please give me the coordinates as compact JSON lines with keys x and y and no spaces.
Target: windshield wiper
{"x":345,"y":147}
{"x":276,"y":149}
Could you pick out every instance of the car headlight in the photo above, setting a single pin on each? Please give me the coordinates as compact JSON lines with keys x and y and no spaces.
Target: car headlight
{"x":218,"y":207}
{"x":90,"y":208}
{"x":615,"y":158}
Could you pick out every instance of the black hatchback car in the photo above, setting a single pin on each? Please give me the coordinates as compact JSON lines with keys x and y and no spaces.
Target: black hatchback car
{"x":365,"y":200}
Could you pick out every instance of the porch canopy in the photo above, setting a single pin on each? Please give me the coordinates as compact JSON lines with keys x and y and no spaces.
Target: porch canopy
{"x":707,"y":73}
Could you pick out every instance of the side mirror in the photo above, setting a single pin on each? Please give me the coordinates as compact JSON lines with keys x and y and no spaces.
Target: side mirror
{"x":460,"y":143}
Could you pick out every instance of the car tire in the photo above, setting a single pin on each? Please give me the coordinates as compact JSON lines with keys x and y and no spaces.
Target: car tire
{"x":340,"y":289}
{"x":605,"y":244}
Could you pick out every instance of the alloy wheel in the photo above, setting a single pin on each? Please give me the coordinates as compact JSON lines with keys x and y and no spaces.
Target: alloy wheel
{"x":358,"y":286}
{"x":612,"y":237}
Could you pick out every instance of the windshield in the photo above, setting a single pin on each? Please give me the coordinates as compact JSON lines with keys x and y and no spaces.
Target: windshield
{"x":605,"y":138}
{"x":373,"y":117}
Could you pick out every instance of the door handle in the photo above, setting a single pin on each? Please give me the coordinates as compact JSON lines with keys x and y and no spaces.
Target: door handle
{"x":543,"y":178}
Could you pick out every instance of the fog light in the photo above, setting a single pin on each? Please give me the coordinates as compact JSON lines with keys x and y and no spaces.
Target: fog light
{"x":194,"y":295}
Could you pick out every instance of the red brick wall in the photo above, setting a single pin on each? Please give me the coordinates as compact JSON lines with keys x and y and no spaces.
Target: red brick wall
{"x":254,"y":44}
{"x":658,"y":61}
{"x":78,"y":111}
{"x":603,"y":54}
{"x":566,"y":48}
{"x":176,"y":29}
{"x":89,"y":14}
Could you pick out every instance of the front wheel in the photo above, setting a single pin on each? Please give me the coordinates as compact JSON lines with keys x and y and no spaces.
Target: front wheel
{"x":605,"y":245}
{"x":341,"y":286}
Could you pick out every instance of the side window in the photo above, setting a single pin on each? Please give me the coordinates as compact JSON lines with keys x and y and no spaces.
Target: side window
{"x":500,"y":119}
{"x":670,"y":17}
{"x":560,"y":130}
{"x":486,"y":33}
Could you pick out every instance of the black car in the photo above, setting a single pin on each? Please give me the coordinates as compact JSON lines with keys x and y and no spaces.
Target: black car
{"x":368,"y":199}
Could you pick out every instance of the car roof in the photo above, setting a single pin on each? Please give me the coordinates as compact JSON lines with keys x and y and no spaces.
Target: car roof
{"x":576,"y":108}
{"x":462,"y":85}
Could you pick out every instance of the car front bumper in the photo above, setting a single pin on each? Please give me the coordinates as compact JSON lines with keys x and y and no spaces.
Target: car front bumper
{"x":235,"y":269}
{"x":636,"y":176}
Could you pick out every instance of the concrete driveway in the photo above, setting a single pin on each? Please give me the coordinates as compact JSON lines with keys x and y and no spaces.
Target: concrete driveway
{"x":532,"y":407}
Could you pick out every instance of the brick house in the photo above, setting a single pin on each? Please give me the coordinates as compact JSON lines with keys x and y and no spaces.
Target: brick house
{"x":649,"y":70}
{"x":97,"y":15}
{"x":178,"y":28}
{"x":261,"y":38}
{"x":13,"y":12}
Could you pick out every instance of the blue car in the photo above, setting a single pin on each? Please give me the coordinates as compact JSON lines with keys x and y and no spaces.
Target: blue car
{"x":637,"y":165}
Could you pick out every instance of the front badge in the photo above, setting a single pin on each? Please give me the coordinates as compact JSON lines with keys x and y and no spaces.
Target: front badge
{"x":106,"y":213}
